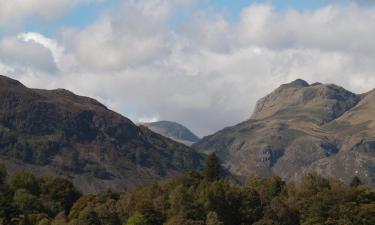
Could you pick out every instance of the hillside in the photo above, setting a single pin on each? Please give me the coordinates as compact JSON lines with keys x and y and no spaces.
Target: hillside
{"x":299,"y":128}
{"x":174,"y":131}
{"x":55,"y":132}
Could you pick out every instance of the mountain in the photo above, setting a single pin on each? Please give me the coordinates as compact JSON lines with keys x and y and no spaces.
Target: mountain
{"x":57,"y":133}
{"x":174,"y":131}
{"x":299,"y":128}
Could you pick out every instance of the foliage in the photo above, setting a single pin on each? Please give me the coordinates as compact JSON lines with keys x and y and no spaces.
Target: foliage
{"x":212,"y":169}
{"x":355,"y":182}
{"x":26,"y":199}
{"x":137,"y":219}
{"x":213,"y":219}
{"x":191,"y":199}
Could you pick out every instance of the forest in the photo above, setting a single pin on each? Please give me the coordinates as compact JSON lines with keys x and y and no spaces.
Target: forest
{"x":206,"y":197}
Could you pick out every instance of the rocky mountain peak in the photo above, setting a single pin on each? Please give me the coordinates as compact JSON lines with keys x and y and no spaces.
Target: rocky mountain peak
{"x":299,"y":82}
{"x":320,"y":102}
{"x":299,"y":128}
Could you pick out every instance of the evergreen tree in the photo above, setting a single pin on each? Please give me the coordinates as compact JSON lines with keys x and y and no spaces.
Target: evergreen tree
{"x":212,"y":169}
{"x":355,"y":182}
{"x":3,"y":174}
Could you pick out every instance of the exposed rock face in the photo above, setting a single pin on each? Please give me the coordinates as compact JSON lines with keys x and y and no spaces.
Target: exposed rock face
{"x":174,"y":131}
{"x":299,"y":128}
{"x":318,"y":103}
{"x":59,"y":133}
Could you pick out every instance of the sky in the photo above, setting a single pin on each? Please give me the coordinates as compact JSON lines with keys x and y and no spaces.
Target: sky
{"x":202,"y":63}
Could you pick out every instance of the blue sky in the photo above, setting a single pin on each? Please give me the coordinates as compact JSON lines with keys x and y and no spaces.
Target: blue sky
{"x":234,"y":7}
{"x":84,"y":15}
{"x":77,"y":17}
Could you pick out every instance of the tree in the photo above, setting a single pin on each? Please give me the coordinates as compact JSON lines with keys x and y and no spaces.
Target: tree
{"x":24,"y":180}
{"x":212,"y":169}
{"x":251,"y":206}
{"x":3,"y":174}
{"x":26,"y":201}
{"x":181,"y":202}
{"x":88,"y":217}
{"x":60,"y":219}
{"x":311,"y":184}
{"x":137,"y":219}
{"x":59,"y":193}
{"x":44,"y":221}
{"x":224,"y":198}
{"x":213,"y":219}
{"x":25,"y":220}
{"x":355,"y":182}
{"x":180,"y":220}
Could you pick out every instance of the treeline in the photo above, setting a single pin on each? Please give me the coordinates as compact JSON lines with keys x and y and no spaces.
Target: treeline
{"x":196,"y":198}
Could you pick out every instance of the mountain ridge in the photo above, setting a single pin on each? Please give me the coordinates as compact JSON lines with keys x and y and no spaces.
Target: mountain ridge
{"x":173,"y":130}
{"x":299,"y":128}
{"x":56,"y":132}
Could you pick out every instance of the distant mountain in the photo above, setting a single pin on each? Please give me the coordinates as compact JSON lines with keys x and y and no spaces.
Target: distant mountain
{"x":299,"y":128}
{"x":174,"y":131}
{"x":55,"y":132}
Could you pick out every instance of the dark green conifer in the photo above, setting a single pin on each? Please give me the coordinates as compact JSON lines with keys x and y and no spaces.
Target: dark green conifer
{"x":212,"y":169}
{"x":355,"y":182}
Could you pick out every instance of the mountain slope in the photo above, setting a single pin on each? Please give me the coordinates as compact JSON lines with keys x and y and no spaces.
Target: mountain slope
{"x":299,"y":128}
{"x":59,"y":133}
{"x":174,"y":131}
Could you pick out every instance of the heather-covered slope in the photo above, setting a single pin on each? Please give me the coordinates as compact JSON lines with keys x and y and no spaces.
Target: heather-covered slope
{"x":301,"y":127}
{"x":59,"y":133}
{"x":174,"y":131}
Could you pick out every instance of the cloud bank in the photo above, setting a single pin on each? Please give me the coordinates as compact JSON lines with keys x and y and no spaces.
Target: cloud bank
{"x":204,"y":71}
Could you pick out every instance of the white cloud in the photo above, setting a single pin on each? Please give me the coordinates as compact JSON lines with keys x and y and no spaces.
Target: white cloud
{"x":56,"y":50}
{"x":147,"y":119}
{"x":130,"y":36}
{"x":26,"y":56}
{"x":207,"y":73}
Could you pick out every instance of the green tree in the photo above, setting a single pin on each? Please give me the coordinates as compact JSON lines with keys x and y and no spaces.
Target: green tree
{"x":212,"y":168}
{"x":88,"y":217}
{"x":213,"y":219}
{"x":58,"y":194}
{"x":224,"y":198}
{"x":179,"y":220}
{"x":355,"y":182}
{"x":26,"y":201}
{"x":267,"y":222}
{"x":24,"y":180}
{"x":137,"y":219}
{"x":181,"y":203}
{"x":282,"y":212}
{"x":3,"y":174}
{"x":251,"y":206}
{"x":268,"y":188}
{"x":8,"y":210}
{"x":25,"y":220}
